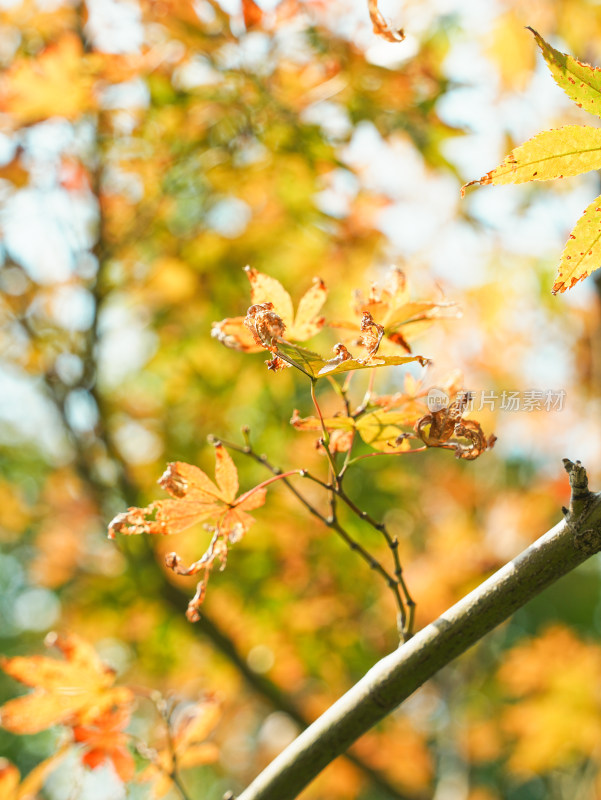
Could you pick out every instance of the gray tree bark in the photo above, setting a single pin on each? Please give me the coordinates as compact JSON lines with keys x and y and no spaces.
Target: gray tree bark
{"x":398,"y":675}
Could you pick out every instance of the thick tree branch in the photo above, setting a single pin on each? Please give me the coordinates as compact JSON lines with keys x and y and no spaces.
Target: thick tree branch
{"x":398,"y":675}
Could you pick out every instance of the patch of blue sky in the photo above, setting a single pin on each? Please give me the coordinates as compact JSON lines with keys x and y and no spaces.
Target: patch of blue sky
{"x":27,"y":416}
{"x":46,"y":230}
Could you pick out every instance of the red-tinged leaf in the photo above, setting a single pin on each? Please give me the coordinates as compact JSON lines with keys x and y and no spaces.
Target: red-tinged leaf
{"x":389,"y":306}
{"x":162,"y":518}
{"x":254,"y":498}
{"x":197,"y":499}
{"x":226,"y":474}
{"x":582,"y":252}
{"x":9,"y":780}
{"x":581,"y":82}
{"x":253,"y":14}
{"x":70,"y":691}
{"x":556,"y":153}
{"x":103,"y":740}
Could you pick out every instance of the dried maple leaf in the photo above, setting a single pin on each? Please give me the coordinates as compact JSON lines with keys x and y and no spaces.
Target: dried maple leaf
{"x":390,"y":307}
{"x":187,"y":746}
{"x":264,"y":289}
{"x":372,"y":335}
{"x":442,"y":428}
{"x":71,"y":691}
{"x":104,"y":740}
{"x":196,"y":499}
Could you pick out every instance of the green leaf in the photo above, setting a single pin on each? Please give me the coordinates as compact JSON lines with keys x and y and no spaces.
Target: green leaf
{"x":581,"y":82}
{"x":378,"y":428}
{"x":306,"y":360}
{"x":315,"y":366}
{"x":378,"y":361}
{"x":556,"y":153}
{"x":582,"y":253}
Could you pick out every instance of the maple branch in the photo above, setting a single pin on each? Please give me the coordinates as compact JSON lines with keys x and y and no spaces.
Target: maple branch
{"x":571,"y":542}
{"x":330,"y":522}
{"x":406,"y":626}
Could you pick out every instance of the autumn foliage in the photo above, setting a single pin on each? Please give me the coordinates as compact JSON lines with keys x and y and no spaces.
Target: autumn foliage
{"x":328,"y":414}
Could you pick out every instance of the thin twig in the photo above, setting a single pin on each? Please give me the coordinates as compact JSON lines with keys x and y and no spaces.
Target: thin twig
{"x":396,"y":582}
{"x":326,"y":434}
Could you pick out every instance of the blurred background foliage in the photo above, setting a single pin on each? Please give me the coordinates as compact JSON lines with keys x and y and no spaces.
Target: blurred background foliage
{"x":150,"y":150}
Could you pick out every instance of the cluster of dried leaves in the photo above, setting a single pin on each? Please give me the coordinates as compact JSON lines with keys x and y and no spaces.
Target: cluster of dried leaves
{"x":384,"y":321}
{"x":78,"y":692}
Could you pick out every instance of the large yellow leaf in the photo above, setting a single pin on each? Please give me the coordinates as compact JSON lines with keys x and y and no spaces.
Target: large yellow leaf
{"x":557,"y":153}
{"x":581,"y":82}
{"x":582,"y":253}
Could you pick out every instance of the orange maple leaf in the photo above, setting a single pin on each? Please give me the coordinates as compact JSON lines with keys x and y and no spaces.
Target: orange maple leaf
{"x":73,"y":691}
{"x":104,"y":740}
{"x":196,"y":498}
{"x":391,"y":307}
{"x":232,"y":332}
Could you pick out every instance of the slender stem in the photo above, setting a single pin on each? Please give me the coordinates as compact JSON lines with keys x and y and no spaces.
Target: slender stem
{"x":326,"y":434}
{"x":176,"y":781}
{"x":368,"y":393}
{"x":396,"y":582}
{"x":393,"y":544}
{"x":382,"y":453}
{"x":281,"y":476}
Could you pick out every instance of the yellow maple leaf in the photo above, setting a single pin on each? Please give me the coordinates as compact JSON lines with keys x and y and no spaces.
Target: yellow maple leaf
{"x":232,"y":332}
{"x":560,"y":153}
